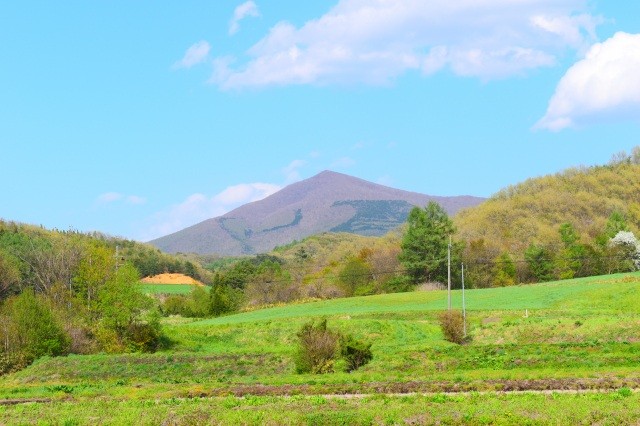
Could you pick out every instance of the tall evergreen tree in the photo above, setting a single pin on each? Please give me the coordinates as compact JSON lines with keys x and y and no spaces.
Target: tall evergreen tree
{"x":540,"y":262}
{"x":424,"y":245}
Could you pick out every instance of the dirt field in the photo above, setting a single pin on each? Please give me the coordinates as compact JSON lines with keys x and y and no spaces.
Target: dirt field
{"x":178,"y":279}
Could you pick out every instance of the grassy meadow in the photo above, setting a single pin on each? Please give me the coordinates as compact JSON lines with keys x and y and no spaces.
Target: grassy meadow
{"x":571,"y":347}
{"x":166,"y":288}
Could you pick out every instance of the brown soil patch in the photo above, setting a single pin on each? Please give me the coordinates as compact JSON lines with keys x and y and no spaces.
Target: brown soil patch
{"x":178,"y":279}
{"x":399,"y":388}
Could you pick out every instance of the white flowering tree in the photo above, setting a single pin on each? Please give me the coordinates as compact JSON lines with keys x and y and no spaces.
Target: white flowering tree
{"x":629,"y":245}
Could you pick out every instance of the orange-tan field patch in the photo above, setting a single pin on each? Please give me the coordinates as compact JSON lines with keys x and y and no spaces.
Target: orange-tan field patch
{"x":177,"y":279}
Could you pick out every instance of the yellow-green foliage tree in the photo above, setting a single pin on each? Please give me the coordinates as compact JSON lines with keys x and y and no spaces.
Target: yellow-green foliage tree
{"x":29,"y":330}
{"x":123,"y":324}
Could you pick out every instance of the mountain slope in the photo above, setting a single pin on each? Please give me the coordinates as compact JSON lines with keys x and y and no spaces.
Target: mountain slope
{"x":327,"y":202}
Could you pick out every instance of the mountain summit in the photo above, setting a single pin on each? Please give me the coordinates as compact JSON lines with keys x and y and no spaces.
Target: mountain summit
{"x":327,"y":202}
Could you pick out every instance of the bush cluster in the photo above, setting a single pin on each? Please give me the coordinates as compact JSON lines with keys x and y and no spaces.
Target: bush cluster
{"x":320,"y":349}
{"x":452,"y":326}
{"x":202,"y":302}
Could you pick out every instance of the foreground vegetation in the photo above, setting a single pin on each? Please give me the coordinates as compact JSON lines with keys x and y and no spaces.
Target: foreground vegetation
{"x":606,"y":408}
{"x":572,"y":335}
{"x":72,"y":293}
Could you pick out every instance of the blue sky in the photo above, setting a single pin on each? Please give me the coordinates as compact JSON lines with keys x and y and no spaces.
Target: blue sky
{"x":141,"y":118}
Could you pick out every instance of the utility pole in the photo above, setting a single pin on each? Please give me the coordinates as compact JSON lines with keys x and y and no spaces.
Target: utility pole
{"x":117,"y":257}
{"x":464,"y":307}
{"x":449,"y":273}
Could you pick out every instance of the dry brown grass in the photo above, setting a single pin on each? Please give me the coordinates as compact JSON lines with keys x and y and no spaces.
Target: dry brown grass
{"x":177,"y":279}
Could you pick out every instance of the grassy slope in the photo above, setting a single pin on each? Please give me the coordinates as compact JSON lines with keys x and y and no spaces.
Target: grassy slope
{"x":565,"y":295}
{"x":579,"y":334}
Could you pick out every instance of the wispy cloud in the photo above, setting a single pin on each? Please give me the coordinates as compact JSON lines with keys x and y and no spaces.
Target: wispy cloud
{"x":196,"y":54}
{"x":244,"y":193}
{"x":342,"y":163}
{"x":358,"y":146}
{"x":114,"y":197}
{"x":292,"y":171}
{"x":109,"y":197}
{"x":198,"y":207}
{"x":372,"y":42}
{"x":241,"y":12}
{"x":134,"y":199}
{"x":603,"y":85}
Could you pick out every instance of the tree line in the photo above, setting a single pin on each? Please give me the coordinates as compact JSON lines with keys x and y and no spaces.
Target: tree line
{"x":67,"y":292}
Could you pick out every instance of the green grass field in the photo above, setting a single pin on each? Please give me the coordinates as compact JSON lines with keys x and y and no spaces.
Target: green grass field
{"x":553,"y":339}
{"x":166,"y":288}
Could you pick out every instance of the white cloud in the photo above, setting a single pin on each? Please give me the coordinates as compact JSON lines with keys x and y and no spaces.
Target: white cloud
{"x":244,"y":193}
{"x":134,"y":199}
{"x":604,"y":85}
{"x":246,"y":9}
{"x":199,"y":207}
{"x":570,"y":29}
{"x":109,"y":197}
{"x":113,"y":197}
{"x":374,"y":41}
{"x":196,"y":54}
{"x":292,"y":171}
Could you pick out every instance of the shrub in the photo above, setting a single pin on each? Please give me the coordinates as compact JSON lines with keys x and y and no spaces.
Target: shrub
{"x":143,"y":337}
{"x":220,"y":298}
{"x":10,"y":362}
{"x":452,"y":325}
{"x":175,"y":305}
{"x":355,"y":353}
{"x":31,"y":329}
{"x":198,"y":303}
{"x":399,"y":284}
{"x":318,"y":348}
{"x":355,"y":277}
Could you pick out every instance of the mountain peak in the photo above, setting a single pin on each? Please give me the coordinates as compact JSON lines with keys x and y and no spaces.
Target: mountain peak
{"x":327,"y":202}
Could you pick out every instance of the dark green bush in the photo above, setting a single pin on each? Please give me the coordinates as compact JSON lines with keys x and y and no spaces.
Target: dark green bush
{"x":143,"y":337}
{"x":355,"y":353}
{"x":175,"y":305}
{"x":320,"y":347}
{"x":399,"y":284}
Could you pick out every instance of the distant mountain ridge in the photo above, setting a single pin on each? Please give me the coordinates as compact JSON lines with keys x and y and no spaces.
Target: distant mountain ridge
{"x":327,"y":202}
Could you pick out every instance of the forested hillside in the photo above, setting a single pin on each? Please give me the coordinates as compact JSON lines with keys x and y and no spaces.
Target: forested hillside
{"x":564,"y":222}
{"x":532,"y":211}
{"x":68,"y":292}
